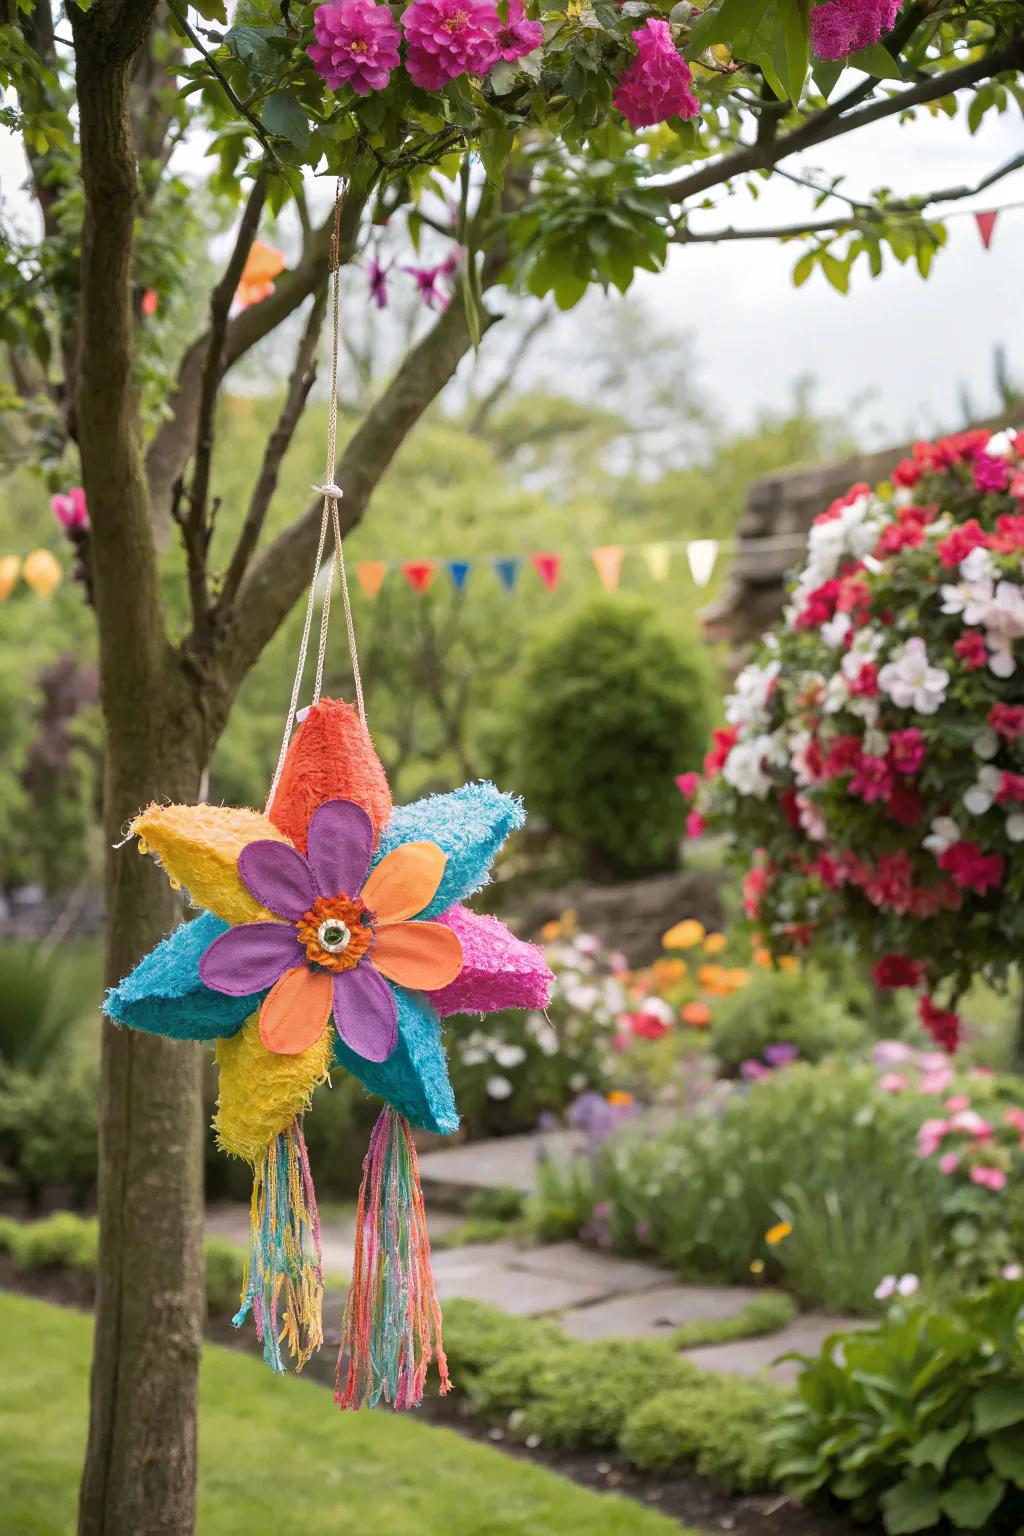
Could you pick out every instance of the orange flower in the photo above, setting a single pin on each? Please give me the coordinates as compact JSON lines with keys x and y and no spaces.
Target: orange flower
{"x":715,"y":979}
{"x":738,"y":977}
{"x":683,"y":935}
{"x":776,"y":1234}
{"x":757,"y":1267}
{"x":696,"y":1014}
{"x":619,"y":1099}
{"x":788,"y":963}
{"x":666,"y":972}
{"x":715,"y":943}
{"x":550,"y":931}
{"x":763,"y":958}
{"x":262,"y":265}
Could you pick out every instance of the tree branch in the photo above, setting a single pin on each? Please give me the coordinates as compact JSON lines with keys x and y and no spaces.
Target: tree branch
{"x":169,"y":449}
{"x":825,"y":125}
{"x":300,"y":383}
{"x":225,"y":84}
{"x":278,"y":578}
{"x":195,"y":526}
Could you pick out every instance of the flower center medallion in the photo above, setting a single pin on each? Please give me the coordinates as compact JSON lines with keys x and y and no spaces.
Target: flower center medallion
{"x":336,"y":932}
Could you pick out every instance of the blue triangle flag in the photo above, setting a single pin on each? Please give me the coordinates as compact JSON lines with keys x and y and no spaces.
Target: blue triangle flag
{"x":506,"y":570}
{"x":458,"y":570}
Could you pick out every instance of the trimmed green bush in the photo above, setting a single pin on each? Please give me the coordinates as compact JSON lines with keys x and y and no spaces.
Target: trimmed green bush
{"x":798,"y":1008}
{"x":716,"y":1425}
{"x":612,"y":706}
{"x":476,"y":1335}
{"x":581,"y":1395}
{"x":48,"y":1126}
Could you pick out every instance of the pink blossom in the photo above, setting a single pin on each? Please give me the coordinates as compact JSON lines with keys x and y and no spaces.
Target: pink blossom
{"x":694,"y":824}
{"x":842,"y":27}
{"x":356,"y":44}
{"x":892,"y":1082}
{"x":427,"y":279}
{"x":377,"y":280}
{"x":447,"y":38}
{"x":70,"y":509}
{"x":907,"y":749}
{"x":990,"y":473}
{"x":936,"y":1082}
{"x":518,"y":36}
{"x":972,"y":1123}
{"x":657,"y":84}
{"x":1015,"y":1118}
{"x":988,"y":1178}
{"x":958,"y":1102}
{"x":892,"y":1052}
{"x":752,"y":1070}
{"x":929,"y":1136}
{"x":949,"y":1162}
{"x":687,"y":784}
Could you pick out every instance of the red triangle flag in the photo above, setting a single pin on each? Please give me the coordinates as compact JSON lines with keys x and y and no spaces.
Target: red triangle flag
{"x":986,"y":223}
{"x":419,"y":573}
{"x":548,"y":568}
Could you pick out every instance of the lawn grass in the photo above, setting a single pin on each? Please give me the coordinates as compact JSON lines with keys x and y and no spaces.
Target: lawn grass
{"x":276,"y":1455}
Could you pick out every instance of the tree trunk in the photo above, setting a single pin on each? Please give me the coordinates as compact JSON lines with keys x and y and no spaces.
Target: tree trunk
{"x":139,"y":1477}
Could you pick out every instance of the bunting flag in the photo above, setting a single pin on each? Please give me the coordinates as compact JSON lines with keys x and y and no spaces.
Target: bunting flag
{"x":506,"y":568}
{"x":42,"y":572}
{"x":607,"y":560}
{"x":370,"y":576}
{"x":419,"y":573}
{"x":548,"y":567}
{"x":657,"y":557}
{"x":702,"y":554}
{"x":458,"y":570}
{"x":986,"y":222}
{"x":10,"y":570}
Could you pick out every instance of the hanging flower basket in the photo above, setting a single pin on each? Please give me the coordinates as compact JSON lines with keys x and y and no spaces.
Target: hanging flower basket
{"x":871,"y":770}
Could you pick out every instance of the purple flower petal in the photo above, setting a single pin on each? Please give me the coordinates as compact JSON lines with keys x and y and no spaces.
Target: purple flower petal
{"x":279,"y":877}
{"x":249,"y":958}
{"x":365,"y":1015}
{"x":340,"y":846}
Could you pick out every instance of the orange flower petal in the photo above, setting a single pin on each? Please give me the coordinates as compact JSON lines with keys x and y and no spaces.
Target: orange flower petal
{"x":296,"y":1010}
{"x":404,"y":882}
{"x":423,"y":956}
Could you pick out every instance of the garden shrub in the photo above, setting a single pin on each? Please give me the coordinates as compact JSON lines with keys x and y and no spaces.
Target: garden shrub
{"x":580,"y":1395}
{"x":797,"y":1008}
{"x":48,"y":1127}
{"x":716,"y":1425}
{"x":765,"y":1314}
{"x":477,"y":1334}
{"x":612,"y":706}
{"x":919,"y":1421}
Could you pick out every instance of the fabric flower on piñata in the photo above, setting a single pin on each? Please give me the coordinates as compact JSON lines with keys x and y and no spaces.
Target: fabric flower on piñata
{"x":334,"y":933}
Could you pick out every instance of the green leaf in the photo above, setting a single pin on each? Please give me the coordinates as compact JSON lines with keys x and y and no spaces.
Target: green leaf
{"x":725,"y":23}
{"x":1006,"y":1454}
{"x":877,"y":61}
{"x":999,"y":1404}
{"x":804,"y":268}
{"x":912,"y":1505}
{"x":971,"y":1501}
{"x":826,"y":74}
{"x":250,"y":46}
{"x":792,"y":46}
{"x":282,"y":116}
{"x":935,"y":1448}
{"x":839,"y":276}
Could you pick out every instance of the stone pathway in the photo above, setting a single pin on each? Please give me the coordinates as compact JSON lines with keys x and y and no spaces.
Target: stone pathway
{"x":452,"y":1175}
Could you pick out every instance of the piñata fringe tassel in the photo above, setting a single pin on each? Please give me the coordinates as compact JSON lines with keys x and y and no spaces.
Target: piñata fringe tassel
{"x":392,"y":1327}
{"x":283,"y":1284}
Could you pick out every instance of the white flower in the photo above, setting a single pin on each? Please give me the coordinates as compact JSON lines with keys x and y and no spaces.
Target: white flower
{"x":1005,"y":614}
{"x":744,"y":768}
{"x":1012,"y":1271}
{"x":811,"y":819}
{"x":799,"y":745}
{"x":982,"y":794}
{"x":885,"y":1288}
{"x":498,"y":1087}
{"x":1001,"y":662}
{"x":578,"y":1082}
{"x":835,"y":630}
{"x":1001,"y":444}
{"x":954,"y":599}
{"x":1015,"y":827}
{"x":587,"y":944}
{"x":747,"y":704}
{"x":977,"y":565}
{"x":836,"y":696}
{"x":908,"y":1284}
{"x":876,"y":743}
{"x":944,"y":834}
{"x":510,"y":1056}
{"x":473,"y":1056}
{"x":658,"y":1009}
{"x":986,"y":744}
{"x":911,"y":682}
{"x":581,"y":998}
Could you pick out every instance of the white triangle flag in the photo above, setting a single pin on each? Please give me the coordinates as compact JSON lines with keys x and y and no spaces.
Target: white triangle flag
{"x":702,"y":554}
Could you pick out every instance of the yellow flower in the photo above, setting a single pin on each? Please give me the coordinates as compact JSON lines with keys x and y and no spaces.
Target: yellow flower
{"x":684,"y":935}
{"x":668,"y":971}
{"x":776,"y":1234}
{"x":738,"y":977}
{"x":550,"y":931}
{"x":619,"y":1099}
{"x":788,"y":963}
{"x":715,"y":943}
{"x":757,"y":1267}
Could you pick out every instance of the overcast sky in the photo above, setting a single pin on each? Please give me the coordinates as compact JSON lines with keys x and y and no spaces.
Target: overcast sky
{"x":906,"y":346}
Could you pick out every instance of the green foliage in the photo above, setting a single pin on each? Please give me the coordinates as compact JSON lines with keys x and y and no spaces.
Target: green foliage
{"x":612,"y":706}
{"x":768,"y":1313}
{"x":919,"y":1421}
{"x":718,"y":1426}
{"x":48,"y":1126}
{"x":476,"y":1335}
{"x":799,"y":1008}
{"x":224,"y":1266}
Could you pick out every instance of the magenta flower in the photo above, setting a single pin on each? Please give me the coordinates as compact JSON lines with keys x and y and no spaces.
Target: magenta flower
{"x":447,"y":38}
{"x":377,"y":280}
{"x":842,"y":27}
{"x":356,"y":44}
{"x":69,"y":508}
{"x":518,"y":36}
{"x":657,"y":85}
{"x":427,"y":280}
{"x":990,"y":474}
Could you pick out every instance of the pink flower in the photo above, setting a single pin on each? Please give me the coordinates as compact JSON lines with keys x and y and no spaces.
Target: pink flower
{"x":377,"y":280}
{"x":957,"y":545}
{"x":1014,"y":1118}
{"x":929,"y":1136}
{"x":1007,"y":720}
{"x":973,"y":1124}
{"x":892,"y":1082}
{"x":657,"y":84}
{"x":936,"y":1082}
{"x":970,"y":868}
{"x":689,"y":783}
{"x":447,"y":38}
{"x":752,"y":1070}
{"x":970,"y":648}
{"x":872,"y":780}
{"x":1011,"y":787}
{"x":907,"y":749}
{"x":958,"y":1102}
{"x":518,"y":36}
{"x":990,"y":473}
{"x":356,"y":44}
{"x":988,"y":1178}
{"x":427,"y":279}
{"x":948,"y":1163}
{"x":894,"y":971}
{"x":842,"y":27}
{"x":694,"y":824}
{"x":891,"y":1052}
{"x":69,"y":508}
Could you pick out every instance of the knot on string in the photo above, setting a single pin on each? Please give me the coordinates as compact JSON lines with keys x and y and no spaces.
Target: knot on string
{"x":335,"y":492}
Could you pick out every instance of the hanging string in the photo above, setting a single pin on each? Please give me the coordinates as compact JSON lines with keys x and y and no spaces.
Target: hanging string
{"x":332,"y":494}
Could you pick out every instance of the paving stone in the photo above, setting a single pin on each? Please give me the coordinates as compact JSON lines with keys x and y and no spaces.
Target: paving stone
{"x":654,"y":1312}
{"x":589,"y":1266}
{"x":455,"y":1174}
{"x":513,"y":1290}
{"x":745,"y":1357}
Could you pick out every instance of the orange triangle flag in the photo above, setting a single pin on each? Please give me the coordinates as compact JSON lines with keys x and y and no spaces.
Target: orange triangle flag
{"x":419,"y":573}
{"x":607,"y":559}
{"x":370,"y":576}
{"x":986,"y":223}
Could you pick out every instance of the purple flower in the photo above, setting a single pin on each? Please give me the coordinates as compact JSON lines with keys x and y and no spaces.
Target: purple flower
{"x":518,"y":36}
{"x":447,"y":38}
{"x":780,"y":1054}
{"x":377,"y":280}
{"x":752,"y":1070}
{"x":356,"y":44}
{"x":427,"y":279}
{"x":842,"y":27}
{"x":657,"y":85}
